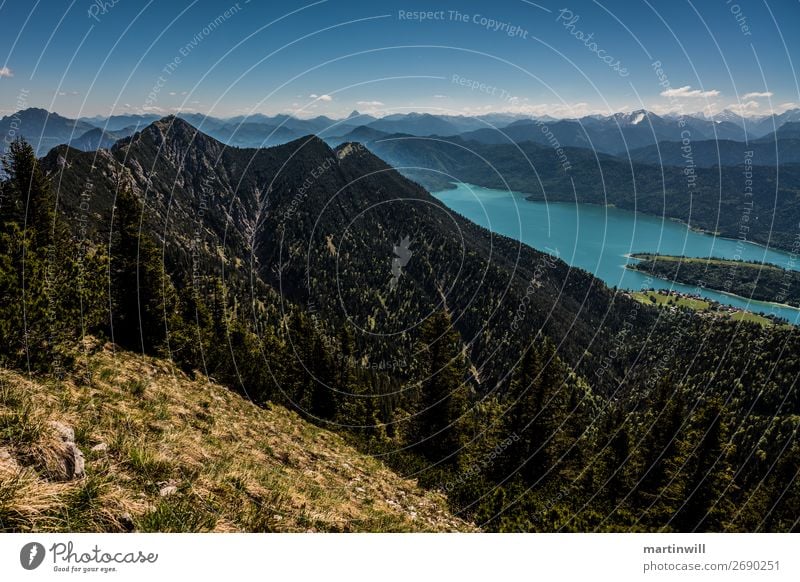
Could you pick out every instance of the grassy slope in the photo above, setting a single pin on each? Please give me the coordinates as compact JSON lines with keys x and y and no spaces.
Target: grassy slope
{"x":231,"y":466}
{"x":654,"y":297}
{"x":659,"y":299}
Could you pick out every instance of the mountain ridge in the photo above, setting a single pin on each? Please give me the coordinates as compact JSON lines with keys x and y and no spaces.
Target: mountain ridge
{"x":260,"y":208}
{"x":606,"y":132}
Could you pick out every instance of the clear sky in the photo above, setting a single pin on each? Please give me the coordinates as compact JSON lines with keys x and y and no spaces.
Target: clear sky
{"x":225,"y":58}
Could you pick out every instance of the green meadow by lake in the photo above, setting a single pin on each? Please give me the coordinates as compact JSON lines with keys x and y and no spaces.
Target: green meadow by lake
{"x":599,"y":239}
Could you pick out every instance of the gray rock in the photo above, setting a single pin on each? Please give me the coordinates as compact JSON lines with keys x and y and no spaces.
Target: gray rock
{"x":100,"y":448}
{"x":8,"y":463}
{"x":66,"y":432}
{"x":168,"y":490}
{"x":79,"y":463}
{"x":69,"y":460}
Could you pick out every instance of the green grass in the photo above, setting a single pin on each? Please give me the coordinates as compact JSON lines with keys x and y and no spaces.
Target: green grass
{"x":136,"y":386}
{"x":178,"y":514}
{"x":751,"y":317}
{"x":237,"y":467}
{"x":147,"y":464}
{"x":20,"y":426}
{"x":700,"y":305}
{"x":654,"y":298}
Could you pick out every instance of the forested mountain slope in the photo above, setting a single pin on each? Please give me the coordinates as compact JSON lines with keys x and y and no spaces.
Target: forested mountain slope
{"x":531,"y":394}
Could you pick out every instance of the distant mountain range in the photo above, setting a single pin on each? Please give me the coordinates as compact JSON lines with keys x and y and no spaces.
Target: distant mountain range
{"x":44,"y":130}
{"x":756,"y":126}
{"x":617,"y":134}
{"x":635,"y":161}
{"x":96,"y":138}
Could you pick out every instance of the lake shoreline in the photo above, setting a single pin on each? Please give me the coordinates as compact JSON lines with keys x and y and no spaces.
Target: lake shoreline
{"x":727,"y":293}
{"x":600,"y":239}
{"x":528,"y":196}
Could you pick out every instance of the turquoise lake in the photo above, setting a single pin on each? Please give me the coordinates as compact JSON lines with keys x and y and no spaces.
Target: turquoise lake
{"x":597,"y":239}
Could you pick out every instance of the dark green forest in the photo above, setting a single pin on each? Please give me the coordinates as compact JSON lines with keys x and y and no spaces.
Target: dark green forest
{"x":533,"y":396}
{"x":747,"y":199}
{"x":752,"y":280}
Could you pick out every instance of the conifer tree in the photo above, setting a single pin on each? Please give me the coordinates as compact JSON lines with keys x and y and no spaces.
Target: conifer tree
{"x":357,"y":406}
{"x":443,"y":391}
{"x":324,"y":397}
{"x":139,"y":286}
{"x":537,"y":398}
{"x":38,"y":269}
{"x":658,"y":454}
{"x":707,"y":474}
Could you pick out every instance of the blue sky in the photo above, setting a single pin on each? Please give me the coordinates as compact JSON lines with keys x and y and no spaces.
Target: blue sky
{"x":330,"y":57}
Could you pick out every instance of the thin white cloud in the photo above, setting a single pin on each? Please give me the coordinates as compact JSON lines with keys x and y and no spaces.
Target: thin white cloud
{"x":688,"y":93}
{"x":440,"y":96}
{"x":744,"y":108}
{"x":155,"y":109}
{"x":325,"y":98}
{"x":558,"y":110}
{"x":6,"y":72}
{"x":757,"y":95}
{"x":369,"y":103}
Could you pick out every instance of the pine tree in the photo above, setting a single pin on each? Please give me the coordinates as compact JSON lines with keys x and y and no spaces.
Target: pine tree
{"x":296,"y":389}
{"x":189,"y":339}
{"x":443,"y":391}
{"x":139,"y":286}
{"x":658,"y":454}
{"x":707,"y":475}
{"x":38,"y":269}
{"x":357,"y":402}
{"x":27,"y":197}
{"x":537,"y":398}
{"x":324,"y":397}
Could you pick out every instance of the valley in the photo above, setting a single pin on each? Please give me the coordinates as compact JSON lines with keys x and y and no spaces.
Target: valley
{"x":272,"y":268}
{"x":323,"y":281}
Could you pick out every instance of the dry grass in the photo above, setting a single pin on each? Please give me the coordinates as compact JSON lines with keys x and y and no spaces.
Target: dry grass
{"x":226,"y":464}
